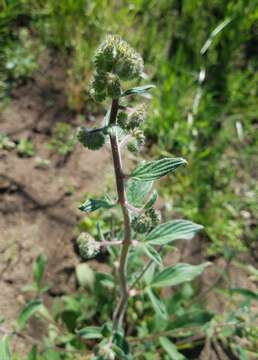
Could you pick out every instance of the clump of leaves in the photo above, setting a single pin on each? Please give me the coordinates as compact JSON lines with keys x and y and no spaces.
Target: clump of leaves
{"x":6,"y":143}
{"x":21,"y":58}
{"x":62,"y":142}
{"x":25,"y":148}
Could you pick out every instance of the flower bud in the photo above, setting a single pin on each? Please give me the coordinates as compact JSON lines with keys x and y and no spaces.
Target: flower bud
{"x":133,"y":146}
{"x":146,"y":221}
{"x":155,"y":216}
{"x":117,"y":55}
{"x":139,"y":136}
{"x":88,"y":247}
{"x":113,"y":86}
{"x":93,"y":139}
{"x":137,"y":117}
{"x":141,"y":224}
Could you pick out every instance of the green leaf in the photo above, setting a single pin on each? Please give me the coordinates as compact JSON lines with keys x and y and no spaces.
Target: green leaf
{"x":152,"y":253}
{"x":90,"y":332}
{"x":245,"y":292}
{"x":139,"y":90}
{"x":95,"y":204}
{"x":154,"y":170}
{"x":152,"y":200}
{"x":5,"y":352}
{"x":38,"y":269}
{"x":170,"y":349}
{"x":137,"y":191}
{"x":173,"y":230}
{"x":33,"y":353}
{"x":85,"y":275}
{"x":51,"y":355}
{"x":158,"y":306}
{"x":177,"y":274}
{"x":194,"y":318}
{"x":28,"y":311}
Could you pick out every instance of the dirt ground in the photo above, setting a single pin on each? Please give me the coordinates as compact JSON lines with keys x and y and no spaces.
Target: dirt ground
{"x":39,"y":210}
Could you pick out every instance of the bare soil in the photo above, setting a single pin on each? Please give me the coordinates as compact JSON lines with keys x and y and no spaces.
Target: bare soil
{"x":39,"y":206}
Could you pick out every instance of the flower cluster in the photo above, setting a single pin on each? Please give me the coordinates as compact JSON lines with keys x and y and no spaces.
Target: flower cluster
{"x":115,"y":60}
{"x":137,"y":141}
{"x":146,"y":221}
{"x":134,"y":119}
{"x":88,"y":247}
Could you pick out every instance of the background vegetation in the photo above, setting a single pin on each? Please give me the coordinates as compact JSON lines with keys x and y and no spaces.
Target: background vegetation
{"x":202,"y":56}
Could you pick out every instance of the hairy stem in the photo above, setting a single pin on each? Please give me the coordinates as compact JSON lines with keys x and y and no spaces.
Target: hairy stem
{"x":119,"y":175}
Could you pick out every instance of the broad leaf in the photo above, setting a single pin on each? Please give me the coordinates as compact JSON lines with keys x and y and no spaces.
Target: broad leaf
{"x":139,"y":90}
{"x":90,"y":332}
{"x":38,"y":269}
{"x":158,"y":306}
{"x":170,"y":349}
{"x":95,"y":204}
{"x":137,"y":191}
{"x":5,"y":352}
{"x":177,"y":274}
{"x":152,"y":253}
{"x":173,"y":230}
{"x":28,"y":311}
{"x":154,"y":170}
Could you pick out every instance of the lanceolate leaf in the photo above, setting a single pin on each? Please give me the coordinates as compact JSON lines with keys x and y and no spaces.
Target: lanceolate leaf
{"x":137,"y":191}
{"x":158,"y":305}
{"x":151,"y":200}
{"x":139,"y":90}
{"x":33,"y":353}
{"x":28,"y":311}
{"x":177,"y":274}
{"x":38,"y":269}
{"x":90,"y":332}
{"x":152,"y":253}
{"x":95,"y":204}
{"x":171,"y":231}
{"x":154,"y":170}
{"x":5,"y":352}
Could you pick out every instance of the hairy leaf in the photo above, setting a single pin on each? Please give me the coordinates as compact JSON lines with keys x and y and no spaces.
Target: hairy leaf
{"x":154,"y":170}
{"x":173,"y":230}
{"x":90,"y":332}
{"x":139,"y":90}
{"x":158,"y":306}
{"x":152,"y":200}
{"x":95,"y":204}
{"x":28,"y":311}
{"x":137,"y":191}
{"x":152,"y":253}
{"x":170,"y":349}
{"x":177,"y":274}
